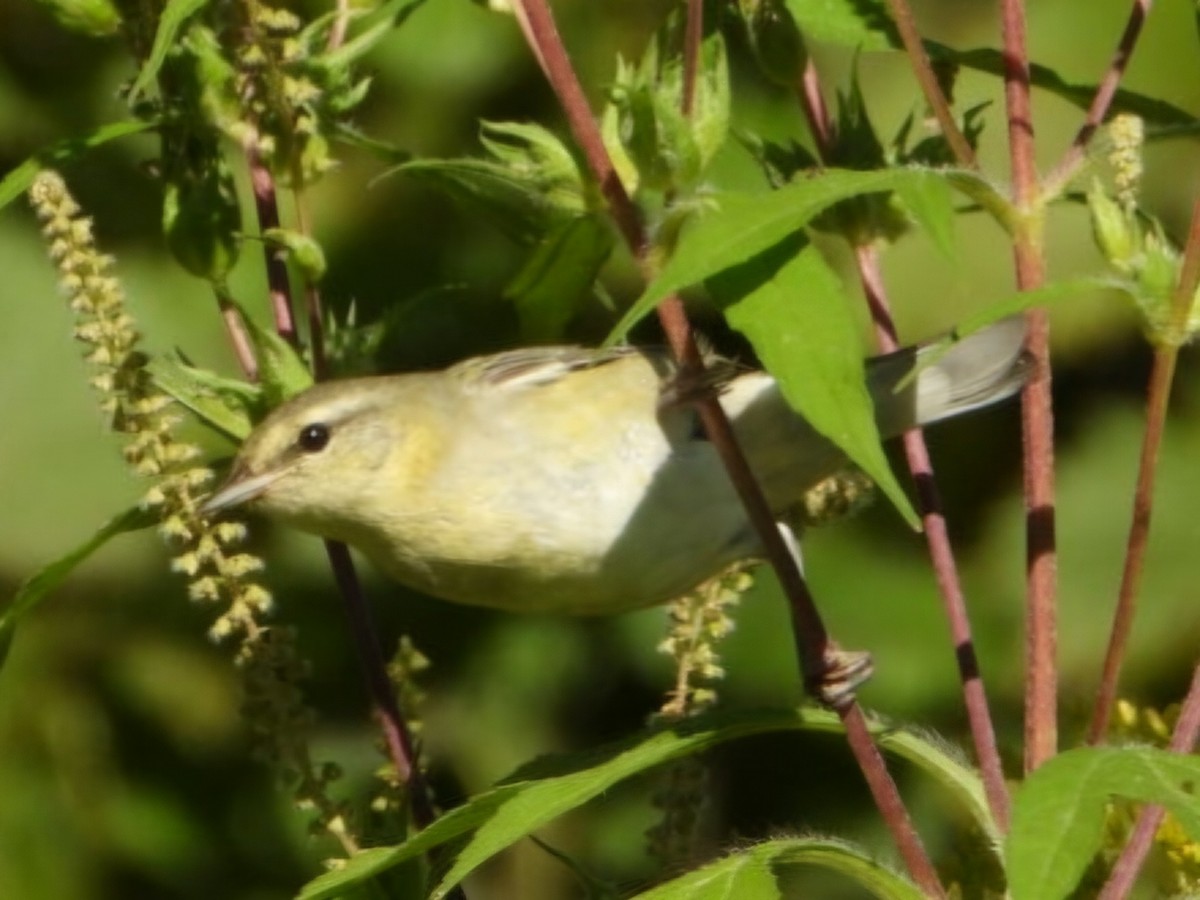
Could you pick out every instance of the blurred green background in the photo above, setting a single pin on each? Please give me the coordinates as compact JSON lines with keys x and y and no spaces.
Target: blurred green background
{"x":124,"y":768}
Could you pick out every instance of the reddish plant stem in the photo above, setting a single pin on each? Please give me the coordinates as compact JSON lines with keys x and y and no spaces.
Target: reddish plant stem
{"x":266,"y":205}
{"x":692,"y":36}
{"x":1162,"y":376}
{"x":395,"y":733}
{"x":1073,"y":158}
{"x":813,"y":643}
{"x":546,"y":43}
{"x":816,"y":113}
{"x":341,"y":21}
{"x":1041,"y":717}
{"x":906,"y":24}
{"x":396,"y":737}
{"x":941,"y":553}
{"x":1041,"y":637}
{"x":243,"y":349}
{"x":1129,"y":863}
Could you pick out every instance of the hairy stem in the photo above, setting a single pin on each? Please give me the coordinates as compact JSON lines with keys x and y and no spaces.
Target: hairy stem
{"x":1041,"y":685}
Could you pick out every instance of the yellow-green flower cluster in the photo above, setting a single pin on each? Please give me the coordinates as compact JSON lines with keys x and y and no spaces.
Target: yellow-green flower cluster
{"x":204,"y":551}
{"x":697,"y":623}
{"x":842,"y":494}
{"x":1135,"y":244}
{"x":286,"y":105}
{"x":1128,"y":135}
{"x":143,"y":414}
{"x":1174,"y":864}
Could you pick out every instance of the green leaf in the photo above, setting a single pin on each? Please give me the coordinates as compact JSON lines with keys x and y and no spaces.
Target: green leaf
{"x":94,"y":18}
{"x":756,"y":873}
{"x":1058,"y":814}
{"x":978,"y":189}
{"x":654,"y":144}
{"x":202,"y":219}
{"x":737,"y":226}
{"x":303,"y":250}
{"x":793,"y":309}
{"x":991,"y":61}
{"x":559,"y":272}
{"x":946,"y":765}
{"x":35,"y":588}
{"x":281,"y":371}
{"x":775,"y":41}
{"x":862,"y":24}
{"x":369,"y":29}
{"x":866,"y":25}
{"x":18,"y":180}
{"x":174,"y":16}
{"x":1017,"y":303}
{"x":224,"y":404}
{"x":546,"y":788}
{"x":531,"y":183}
{"x":931,"y":204}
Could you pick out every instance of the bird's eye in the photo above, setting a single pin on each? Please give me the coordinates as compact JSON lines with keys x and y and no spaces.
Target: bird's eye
{"x":313,"y":438}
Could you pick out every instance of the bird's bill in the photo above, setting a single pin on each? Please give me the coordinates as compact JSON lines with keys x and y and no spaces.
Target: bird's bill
{"x":237,"y":490}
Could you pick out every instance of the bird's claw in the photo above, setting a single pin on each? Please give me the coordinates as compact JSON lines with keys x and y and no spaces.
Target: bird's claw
{"x":839,"y":677}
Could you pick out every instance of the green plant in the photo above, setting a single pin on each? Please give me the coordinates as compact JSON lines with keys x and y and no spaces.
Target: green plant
{"x":249,"y":102}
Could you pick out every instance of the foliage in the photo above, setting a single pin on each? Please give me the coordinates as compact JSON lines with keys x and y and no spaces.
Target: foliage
{"x":266,"y":120}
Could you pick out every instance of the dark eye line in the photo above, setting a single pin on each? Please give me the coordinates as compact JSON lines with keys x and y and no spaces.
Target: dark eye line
{"x":313,"y":437}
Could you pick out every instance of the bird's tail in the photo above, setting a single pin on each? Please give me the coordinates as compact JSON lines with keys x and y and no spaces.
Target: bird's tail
{"x":979,"y":370}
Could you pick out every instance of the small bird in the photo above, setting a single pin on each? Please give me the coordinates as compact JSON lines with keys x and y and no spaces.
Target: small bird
{"x":563,"y":479}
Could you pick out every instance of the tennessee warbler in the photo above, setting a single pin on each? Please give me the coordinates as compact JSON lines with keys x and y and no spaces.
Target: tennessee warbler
{"x":557,"y":479}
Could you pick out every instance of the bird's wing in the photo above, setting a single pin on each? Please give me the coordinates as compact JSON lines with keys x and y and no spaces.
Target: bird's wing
{"x":531,"y":366}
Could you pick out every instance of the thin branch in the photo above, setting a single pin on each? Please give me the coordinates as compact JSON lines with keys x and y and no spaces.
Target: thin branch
{"x":1107,"y":89}
{"x":692,"y":36}
{"x":1129,"y":863}
{"x":816,"y":650}
{"x":941,"y":553}
{"x":395,"y":733}
{"x":816,"y":113}
{"x":1037,"y":414}
{"x":341,"y":21}
{"x":243,"y":348}
{"x":266,"y":206}
{"x":546,"y":44}
{"x":1158,"y":395}
{"x":906,"y":24}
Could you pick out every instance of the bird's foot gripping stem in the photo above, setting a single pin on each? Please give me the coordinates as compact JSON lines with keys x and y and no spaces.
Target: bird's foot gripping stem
{"x":840,"y":675}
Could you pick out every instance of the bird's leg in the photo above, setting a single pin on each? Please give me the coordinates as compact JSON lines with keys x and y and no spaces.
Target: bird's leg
{"x":840,"y":672}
